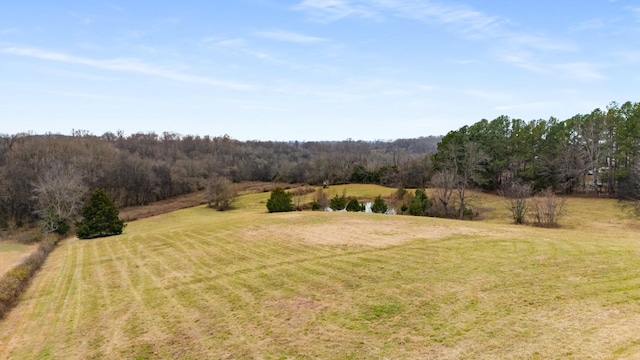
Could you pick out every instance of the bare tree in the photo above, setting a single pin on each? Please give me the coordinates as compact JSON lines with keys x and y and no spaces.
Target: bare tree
{"x":460,"y":166}
{"x":299,"y":195}
{"x":321,"y":199}
{"x":444,"y":182}
{"x":591,"y":133}
{"x":221,"y":193}
{"x":468,"y":169}
{"x":547,"y":208}
{"x":517,"y":195}
{"x":58,"y":191}
{"x":629,"y":191}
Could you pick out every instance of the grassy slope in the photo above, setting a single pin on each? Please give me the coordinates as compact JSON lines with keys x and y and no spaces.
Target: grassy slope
{"x":245,"y":284}
{"x":12,"y":253}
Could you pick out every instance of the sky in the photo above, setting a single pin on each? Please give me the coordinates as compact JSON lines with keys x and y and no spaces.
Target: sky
{"x":310,"y":70}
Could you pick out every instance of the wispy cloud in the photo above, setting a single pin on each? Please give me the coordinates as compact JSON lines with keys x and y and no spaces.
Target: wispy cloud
{"x":332,"y":10}
{"x":241,"y":47}
{"x":522,"y":59}
{"x":464,"y":61}
{"x":533,"y":105}
{"x":288,"y":36}
{"x":581,"y":71}
{"x":593,"y":24}
{"x":114,"y":7}
{"x":538,"y":42}
{"x":518,"y":48}
{"x":9,"y":31}
{"x":467,"y":18}
{"x":83,"y":18}
{"x":629,"y":56}
{"x":77,"y":75}
{"x":487,"y":95}
{"x":235,"y":42}
{"x":356,"y":89}
{"x":125,"y":65}
{"x":635,"y":11}
{"x":80,"y":95}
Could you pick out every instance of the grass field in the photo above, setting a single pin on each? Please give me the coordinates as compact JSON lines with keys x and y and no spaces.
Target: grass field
{"x":12,"y":253}
{"x":200,"y":284}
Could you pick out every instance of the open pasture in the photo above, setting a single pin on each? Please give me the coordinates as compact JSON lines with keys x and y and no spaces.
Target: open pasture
{"x":196,"y":284}
{"x":12,"y":253}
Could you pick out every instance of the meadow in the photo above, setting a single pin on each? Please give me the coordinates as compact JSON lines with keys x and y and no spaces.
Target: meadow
{"x":196,"y":284}
{"x":12,"y":253}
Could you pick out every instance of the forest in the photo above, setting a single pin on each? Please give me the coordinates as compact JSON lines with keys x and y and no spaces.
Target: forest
{"x":47,"y":177}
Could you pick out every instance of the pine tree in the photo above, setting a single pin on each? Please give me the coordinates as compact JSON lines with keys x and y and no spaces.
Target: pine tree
{"x":100,"y":217}
{"x":280,"y":201}
{"x":379,"y":205}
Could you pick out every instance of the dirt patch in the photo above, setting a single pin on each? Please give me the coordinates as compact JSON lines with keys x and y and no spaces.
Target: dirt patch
{"x":346,"y":229}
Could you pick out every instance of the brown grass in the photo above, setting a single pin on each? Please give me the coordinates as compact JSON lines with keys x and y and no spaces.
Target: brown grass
{"x":11,"y":254}
{"x":197,"y":283}
{"x":133,"y":213}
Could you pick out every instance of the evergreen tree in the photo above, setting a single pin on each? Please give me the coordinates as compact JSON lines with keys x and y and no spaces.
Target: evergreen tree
{"x":379,"y":205}
{"x":354,"y":206}
{"x":100,"y":217}
{"x":338,"y":203}
{"x":420,"y":204}
{"x":280,"y":201}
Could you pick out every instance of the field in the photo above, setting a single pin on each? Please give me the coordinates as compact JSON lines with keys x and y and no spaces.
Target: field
{"x":198,"y":284}
{"x":11,"y":253}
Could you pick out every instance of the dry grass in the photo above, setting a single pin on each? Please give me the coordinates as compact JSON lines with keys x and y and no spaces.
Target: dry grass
{"x":133,"y":213}
{"x":246,"y":284}
{"x":12,"y":253}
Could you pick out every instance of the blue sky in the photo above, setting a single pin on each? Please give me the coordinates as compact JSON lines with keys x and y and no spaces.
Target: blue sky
{"x":310,"y":69}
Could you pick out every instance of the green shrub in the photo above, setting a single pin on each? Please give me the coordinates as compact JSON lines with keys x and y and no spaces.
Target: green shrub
{"x":379,"y":205}
{"x":354,"y":206}
{"x":100,"y":217}
{"x":420,"y":204}
{"x":338,"y":203}
{"x":280,"y":201}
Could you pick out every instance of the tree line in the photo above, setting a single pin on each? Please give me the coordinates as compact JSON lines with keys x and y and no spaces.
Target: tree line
{"x":595,"y":153}
{"x":46,"y":178}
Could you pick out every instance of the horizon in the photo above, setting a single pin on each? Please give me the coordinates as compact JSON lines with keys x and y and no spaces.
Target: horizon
{"x":83,"y":132}
{"x":310,"y":70}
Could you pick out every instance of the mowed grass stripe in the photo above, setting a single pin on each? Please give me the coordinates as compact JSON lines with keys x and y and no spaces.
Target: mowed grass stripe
{"x":175,"y":316}
{"x":50,"y":284}
{"x":245,"y":284}
{"x":142,"y":324}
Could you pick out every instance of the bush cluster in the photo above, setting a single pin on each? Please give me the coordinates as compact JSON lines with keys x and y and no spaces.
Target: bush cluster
{"x":15,"y":280}
{"x":420,"y":204}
